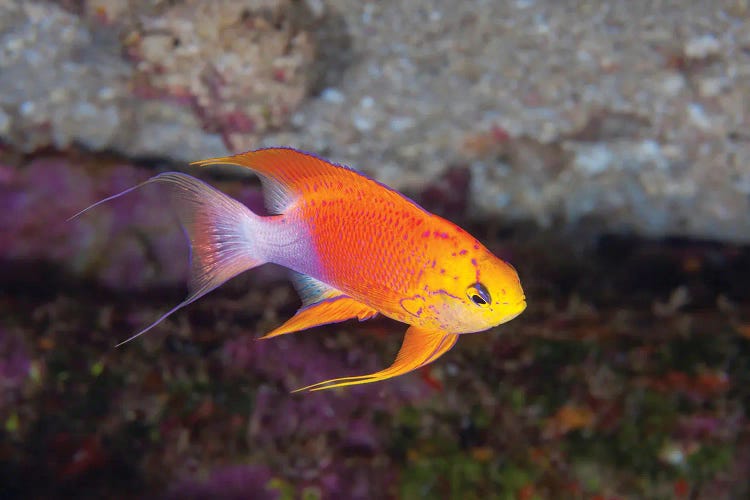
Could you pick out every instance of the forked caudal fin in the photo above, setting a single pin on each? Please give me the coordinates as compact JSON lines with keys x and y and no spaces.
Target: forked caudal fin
{"x":220,"y":230}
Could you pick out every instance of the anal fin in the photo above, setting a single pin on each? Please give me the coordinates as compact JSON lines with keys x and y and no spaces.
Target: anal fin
{"x":420,"y":347}
{"x":329,"y":310}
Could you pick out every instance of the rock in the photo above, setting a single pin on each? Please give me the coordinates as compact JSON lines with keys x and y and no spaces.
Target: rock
{"x":229,"y":482}
{"x":332,"y":95}
{"x":630,"y":117}
{"x":178,"y":80}
{"x":549,"y":104}
{"x":701,"y":47}
{"x":242,"y":66}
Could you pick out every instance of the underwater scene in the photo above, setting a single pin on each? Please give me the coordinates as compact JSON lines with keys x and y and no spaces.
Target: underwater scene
{"x":498,"y":249}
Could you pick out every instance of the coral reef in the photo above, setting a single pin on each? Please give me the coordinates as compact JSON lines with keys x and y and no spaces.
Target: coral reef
{"x":552,"y":131}
{"x":242,"y":66}
{"x":15,"y":367}
{"x":623,"y":379}
{"x":179,"y":80}
{"x":629,"y":117}
{"x":132,"y":242}
{"x":233,"y":482}
{"x":116,"y":244}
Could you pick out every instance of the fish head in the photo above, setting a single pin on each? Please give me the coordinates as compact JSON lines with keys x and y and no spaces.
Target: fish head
{"x":473,"y":291}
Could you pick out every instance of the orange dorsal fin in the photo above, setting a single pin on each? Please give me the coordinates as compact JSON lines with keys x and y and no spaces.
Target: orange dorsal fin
{"x":420,"y":347}
{"x":287,"y":173}
{"x":285,"y":165}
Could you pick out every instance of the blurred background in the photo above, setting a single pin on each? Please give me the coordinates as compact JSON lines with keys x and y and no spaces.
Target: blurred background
{"x":602,"y":147}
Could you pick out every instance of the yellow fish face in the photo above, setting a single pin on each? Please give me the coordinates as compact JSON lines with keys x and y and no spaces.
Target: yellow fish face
{"x":466,"y":293}
{"x":497,"y":296}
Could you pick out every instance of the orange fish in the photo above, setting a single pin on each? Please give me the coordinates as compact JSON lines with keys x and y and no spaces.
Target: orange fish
{"x":356,"y":248}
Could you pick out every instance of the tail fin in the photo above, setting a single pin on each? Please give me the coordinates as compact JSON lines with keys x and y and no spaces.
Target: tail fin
{"x":220,"y":230}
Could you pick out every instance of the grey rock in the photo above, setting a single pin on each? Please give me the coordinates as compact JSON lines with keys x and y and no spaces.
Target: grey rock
{"x":702,"y":46}
{"x":629,"y":115}
{"x":179,"y":80}
{"x":61,"y":86}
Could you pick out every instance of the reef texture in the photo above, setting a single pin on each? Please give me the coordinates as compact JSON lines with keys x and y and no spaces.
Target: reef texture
{"x":625,"y":379}
{"x":629,"y":115}
{"x":177,"y":80}
{"x":632,"y":116}
{"x":134,"y":242}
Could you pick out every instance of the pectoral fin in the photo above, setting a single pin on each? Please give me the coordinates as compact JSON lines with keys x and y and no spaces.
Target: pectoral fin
{"x":420,"y":347}
{"x":331,"y":310}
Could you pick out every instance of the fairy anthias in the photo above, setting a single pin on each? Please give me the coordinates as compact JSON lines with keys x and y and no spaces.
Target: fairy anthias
{"x":356,"y":248}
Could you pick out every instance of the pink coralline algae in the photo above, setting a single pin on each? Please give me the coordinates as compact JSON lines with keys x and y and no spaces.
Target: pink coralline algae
{"x":228,"y":483}
{"x":292,"y":362}
{"x":15,"y":366}
{"x":129,"y":243}
{"x":114,"y":243}
{"x":309,"y":361}
{"x":323,"y":432}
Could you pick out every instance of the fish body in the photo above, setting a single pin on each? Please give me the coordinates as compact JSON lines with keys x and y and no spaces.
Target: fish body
{"x":357,"y":249}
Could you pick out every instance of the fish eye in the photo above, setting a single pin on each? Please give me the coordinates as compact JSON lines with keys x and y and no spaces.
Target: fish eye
{"x":479,"y":295}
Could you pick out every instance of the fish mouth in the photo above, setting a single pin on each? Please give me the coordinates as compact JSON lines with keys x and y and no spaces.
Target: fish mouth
{"x":521,"y":307}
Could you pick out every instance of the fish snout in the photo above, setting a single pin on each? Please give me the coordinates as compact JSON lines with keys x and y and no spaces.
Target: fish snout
{"x":516,"y":310}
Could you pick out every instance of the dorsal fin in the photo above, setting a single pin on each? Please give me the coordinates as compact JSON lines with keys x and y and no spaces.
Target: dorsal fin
{"x":287,"y":173}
